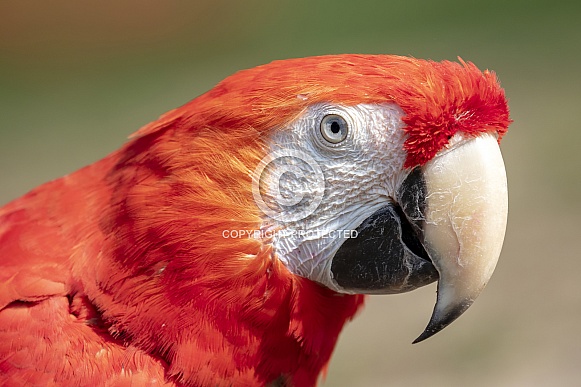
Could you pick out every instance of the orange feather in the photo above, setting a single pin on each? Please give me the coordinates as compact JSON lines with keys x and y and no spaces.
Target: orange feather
{"x":120,"y":273}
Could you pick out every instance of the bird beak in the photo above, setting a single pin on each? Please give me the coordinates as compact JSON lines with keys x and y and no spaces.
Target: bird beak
{"x":465,"y":214}
{"x":446,"y":223}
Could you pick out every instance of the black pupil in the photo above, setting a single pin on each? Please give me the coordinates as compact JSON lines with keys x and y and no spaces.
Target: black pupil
{"x":335,"y":127}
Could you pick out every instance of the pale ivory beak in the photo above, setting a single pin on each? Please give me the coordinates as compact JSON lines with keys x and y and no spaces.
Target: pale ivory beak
{"x":465,"y":222}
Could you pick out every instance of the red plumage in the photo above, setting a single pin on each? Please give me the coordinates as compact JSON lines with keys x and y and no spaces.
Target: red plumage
{"x":120,"y":273}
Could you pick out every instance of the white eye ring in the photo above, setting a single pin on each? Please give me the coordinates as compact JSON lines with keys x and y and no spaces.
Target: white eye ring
{"x":334,"y":128}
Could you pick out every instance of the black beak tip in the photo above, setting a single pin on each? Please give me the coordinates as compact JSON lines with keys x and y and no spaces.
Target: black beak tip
{"x":436,"y":324}
{"x":426,"y":334}
{"x":432,"y":328}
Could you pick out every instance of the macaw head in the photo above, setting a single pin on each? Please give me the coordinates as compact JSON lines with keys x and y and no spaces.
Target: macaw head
{"x":364,"y":174}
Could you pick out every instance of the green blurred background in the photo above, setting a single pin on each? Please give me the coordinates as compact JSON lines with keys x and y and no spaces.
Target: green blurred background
{"x":76,"y":78}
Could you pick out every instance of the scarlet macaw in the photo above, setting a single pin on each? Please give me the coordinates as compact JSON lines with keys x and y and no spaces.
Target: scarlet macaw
{"x":228,"y":242}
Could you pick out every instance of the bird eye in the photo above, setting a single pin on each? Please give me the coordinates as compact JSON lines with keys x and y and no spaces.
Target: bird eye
{"x":334,"y":128}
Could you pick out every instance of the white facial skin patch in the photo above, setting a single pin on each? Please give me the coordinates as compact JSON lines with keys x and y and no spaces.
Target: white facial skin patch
{"x":324,"y":174}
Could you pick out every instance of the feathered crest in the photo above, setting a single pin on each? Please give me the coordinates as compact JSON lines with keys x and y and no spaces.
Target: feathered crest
{"x":438,"y":98}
